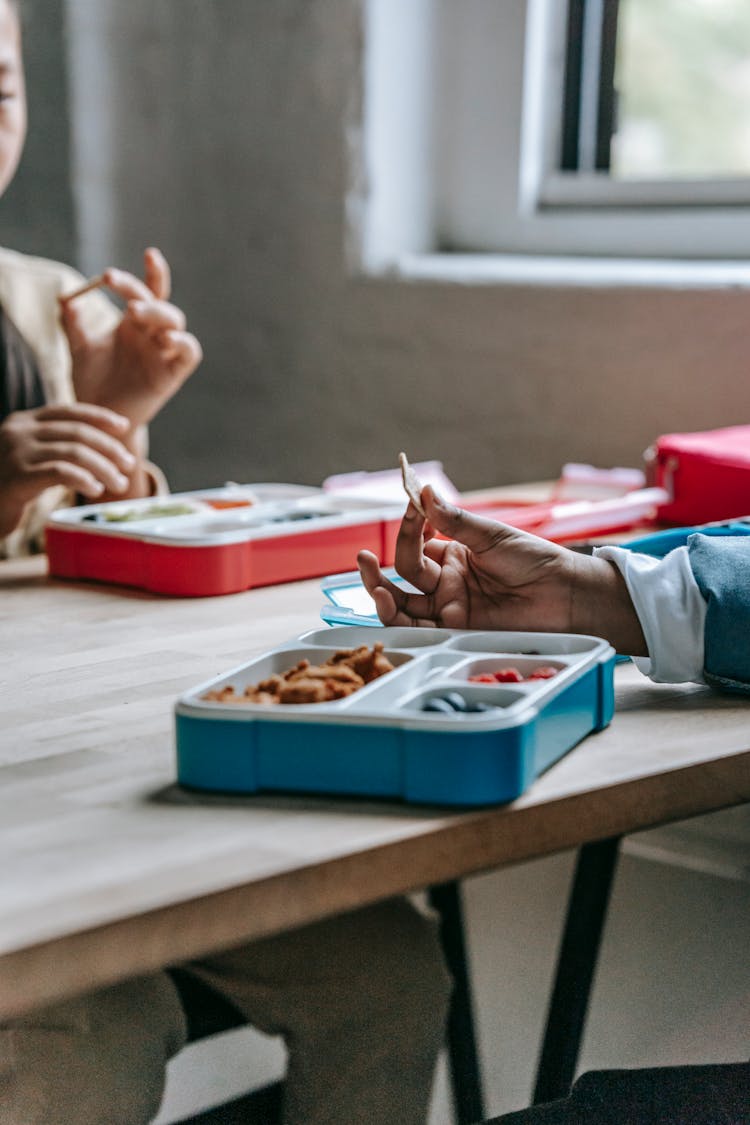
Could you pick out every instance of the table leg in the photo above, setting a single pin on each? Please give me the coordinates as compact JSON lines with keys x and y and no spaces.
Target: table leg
{"x":465,"y":1074}
{"x":579,"y":949}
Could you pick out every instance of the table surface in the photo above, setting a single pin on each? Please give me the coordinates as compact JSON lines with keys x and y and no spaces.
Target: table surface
{"x":109,"y":869}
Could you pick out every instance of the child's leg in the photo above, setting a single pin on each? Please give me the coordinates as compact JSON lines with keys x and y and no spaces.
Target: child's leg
{"x":361,"y":1001}
{"x":96,"y":1060}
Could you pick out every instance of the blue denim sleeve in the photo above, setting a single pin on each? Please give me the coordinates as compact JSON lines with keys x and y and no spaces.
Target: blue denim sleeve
{"x":722,"y":570}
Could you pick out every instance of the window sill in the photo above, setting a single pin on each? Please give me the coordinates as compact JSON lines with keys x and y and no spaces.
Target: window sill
{"x":597,"y":273}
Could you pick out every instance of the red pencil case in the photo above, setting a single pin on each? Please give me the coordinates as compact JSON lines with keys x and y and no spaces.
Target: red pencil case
{"x":707,"y":474}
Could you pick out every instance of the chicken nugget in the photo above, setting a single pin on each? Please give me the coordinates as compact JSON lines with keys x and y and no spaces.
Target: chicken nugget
{"x":370,"y":665}
{"x":304,"y":690}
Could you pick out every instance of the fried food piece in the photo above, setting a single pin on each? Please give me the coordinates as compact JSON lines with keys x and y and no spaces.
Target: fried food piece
{"x":316,"y":690}
{"x":269,"y":686}
{"x":301,"y":666}
{"x":304,"y":690}
{"x":369,"y":664}
{"x":258,"y":697}
{"x":223,"y":695}
{"x":340,"y":673}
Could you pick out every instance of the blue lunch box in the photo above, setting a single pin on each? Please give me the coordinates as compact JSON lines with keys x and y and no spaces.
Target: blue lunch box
{"x":379,"y":741}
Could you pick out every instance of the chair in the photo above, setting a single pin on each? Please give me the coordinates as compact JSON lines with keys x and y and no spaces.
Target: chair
{"x":674,"y":1095}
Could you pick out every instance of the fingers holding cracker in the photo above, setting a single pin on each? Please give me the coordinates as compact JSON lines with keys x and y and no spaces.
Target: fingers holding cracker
{"x":412,"y":483}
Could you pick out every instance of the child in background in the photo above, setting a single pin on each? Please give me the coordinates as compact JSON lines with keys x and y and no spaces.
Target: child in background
{"x":78,"y":381}
{"x":361,"y":1000}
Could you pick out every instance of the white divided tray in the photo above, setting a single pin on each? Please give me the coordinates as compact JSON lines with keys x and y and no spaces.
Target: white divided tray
{"x":379,"y":741}
{"x":218,"y":541}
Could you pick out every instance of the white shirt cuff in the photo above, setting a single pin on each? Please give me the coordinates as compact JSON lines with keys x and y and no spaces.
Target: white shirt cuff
{"x":671,"y":610}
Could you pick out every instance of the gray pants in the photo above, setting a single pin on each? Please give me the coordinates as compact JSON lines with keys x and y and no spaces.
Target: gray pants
{"x":361,"y":1001}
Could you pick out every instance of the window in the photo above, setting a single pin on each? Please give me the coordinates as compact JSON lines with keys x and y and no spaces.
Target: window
{"x":600,"y":128}
{"x":682,"y":85}
{"x":656,"y":100}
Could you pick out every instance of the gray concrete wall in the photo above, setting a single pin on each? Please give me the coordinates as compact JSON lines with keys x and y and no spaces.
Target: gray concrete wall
{"x":231,"y":118}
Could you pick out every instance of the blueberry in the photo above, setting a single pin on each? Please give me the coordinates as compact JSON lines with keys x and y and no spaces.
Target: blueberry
{"x":483,"y":707}
{"x":437,"y":703}
{"x":457,"y":701}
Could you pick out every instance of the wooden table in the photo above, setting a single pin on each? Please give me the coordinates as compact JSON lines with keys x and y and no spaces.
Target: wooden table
{"x":108,"y":869}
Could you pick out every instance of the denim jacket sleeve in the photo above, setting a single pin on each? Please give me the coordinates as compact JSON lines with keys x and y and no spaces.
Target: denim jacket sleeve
{"x":721,"y":568}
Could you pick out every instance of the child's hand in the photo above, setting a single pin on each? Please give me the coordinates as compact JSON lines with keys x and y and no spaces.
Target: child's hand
{"x":490,"y":576}
{"x":76,"y":446}
{"x":139,"y":366}
{"x":486,"y":576}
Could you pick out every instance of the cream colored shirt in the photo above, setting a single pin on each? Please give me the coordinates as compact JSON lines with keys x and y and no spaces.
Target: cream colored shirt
{"x":29,"y":288}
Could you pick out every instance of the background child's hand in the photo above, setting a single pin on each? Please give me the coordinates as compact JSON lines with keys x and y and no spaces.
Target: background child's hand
{"x":76,"y":446}
{"x":137,"y":367}
{"x":490,"y":576}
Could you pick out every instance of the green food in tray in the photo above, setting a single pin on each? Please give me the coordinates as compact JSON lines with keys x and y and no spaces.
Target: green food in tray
{"x":153,"y":511}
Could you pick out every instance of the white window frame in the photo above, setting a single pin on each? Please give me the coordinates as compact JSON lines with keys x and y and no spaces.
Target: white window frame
{"x":462,"y":118}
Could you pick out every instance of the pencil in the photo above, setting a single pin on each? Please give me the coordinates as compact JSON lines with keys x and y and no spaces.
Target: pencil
{"x":94,"y":283}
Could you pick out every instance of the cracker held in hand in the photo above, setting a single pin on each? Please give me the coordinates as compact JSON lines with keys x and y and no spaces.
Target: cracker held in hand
{"x":412,"y":484}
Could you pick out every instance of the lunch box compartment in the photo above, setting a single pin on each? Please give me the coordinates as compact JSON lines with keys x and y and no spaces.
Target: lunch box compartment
{"x":277,"y":663}
{"x":528,"y":644}
{"x":392,"y":636}
{"x":499,"y":697}
{"x":526,"y":666}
